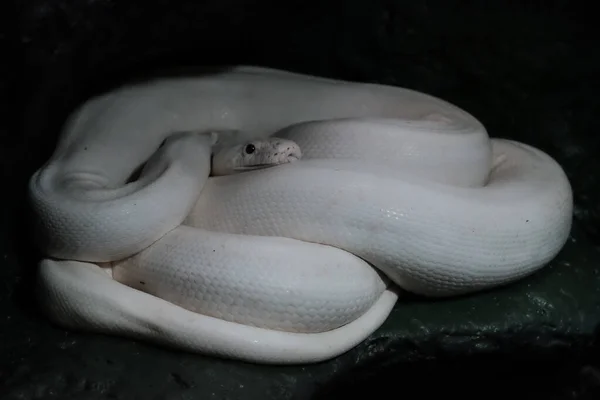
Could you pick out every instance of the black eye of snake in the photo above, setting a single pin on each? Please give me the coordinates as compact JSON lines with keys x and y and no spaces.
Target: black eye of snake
{"x":250,"y":149}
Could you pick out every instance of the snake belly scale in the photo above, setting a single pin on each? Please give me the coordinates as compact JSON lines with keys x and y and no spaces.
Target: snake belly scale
{"x":298,"y":263}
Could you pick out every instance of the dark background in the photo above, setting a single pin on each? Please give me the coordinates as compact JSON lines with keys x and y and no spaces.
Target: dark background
{"x":528,"y":71}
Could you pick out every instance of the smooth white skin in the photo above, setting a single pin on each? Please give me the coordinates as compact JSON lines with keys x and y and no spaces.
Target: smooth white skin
{"x":292,"y":264}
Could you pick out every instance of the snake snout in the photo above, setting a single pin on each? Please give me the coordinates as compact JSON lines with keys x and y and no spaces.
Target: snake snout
{"x":294,"y":153}
{"x":287,"y":151}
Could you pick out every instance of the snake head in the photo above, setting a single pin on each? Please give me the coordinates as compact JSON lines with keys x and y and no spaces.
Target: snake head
{"x":253,"y":155}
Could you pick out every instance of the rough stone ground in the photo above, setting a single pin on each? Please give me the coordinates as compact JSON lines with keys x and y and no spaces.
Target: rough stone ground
{"x":527,"y":72}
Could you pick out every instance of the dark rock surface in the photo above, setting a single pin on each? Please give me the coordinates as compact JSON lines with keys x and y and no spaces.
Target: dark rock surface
{"x":527,"y":72}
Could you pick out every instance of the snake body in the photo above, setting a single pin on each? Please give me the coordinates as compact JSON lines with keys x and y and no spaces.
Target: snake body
{"x":292,"y":264}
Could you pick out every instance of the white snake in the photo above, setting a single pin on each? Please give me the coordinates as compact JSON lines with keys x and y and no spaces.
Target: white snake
{"x":293,"y":264}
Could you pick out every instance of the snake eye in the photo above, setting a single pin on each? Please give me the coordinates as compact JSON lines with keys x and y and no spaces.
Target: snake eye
{"x":249,"y":149}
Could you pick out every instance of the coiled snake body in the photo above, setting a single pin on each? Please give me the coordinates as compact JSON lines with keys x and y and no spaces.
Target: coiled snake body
{"x":292,"y":264}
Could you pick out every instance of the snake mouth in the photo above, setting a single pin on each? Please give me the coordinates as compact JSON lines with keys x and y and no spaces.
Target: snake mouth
{"x":264,"y":166}
{"x":255,"y":167}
